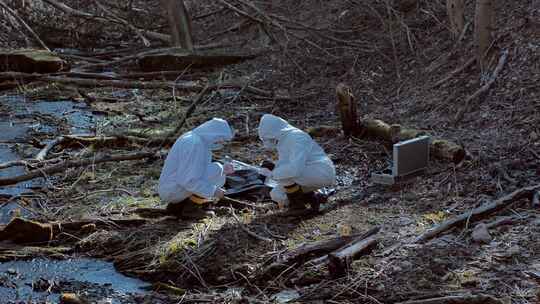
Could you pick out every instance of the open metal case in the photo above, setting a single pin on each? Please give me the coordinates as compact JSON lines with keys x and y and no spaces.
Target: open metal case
{"x":410,"y":158}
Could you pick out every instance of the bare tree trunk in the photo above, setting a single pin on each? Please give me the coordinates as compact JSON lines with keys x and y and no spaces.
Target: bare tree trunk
{"x":456,"y":15}
{"x":179,"y":22}
{"x":483,"y":26}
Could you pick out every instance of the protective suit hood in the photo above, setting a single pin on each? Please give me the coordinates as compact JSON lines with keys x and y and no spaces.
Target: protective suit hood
{"x":214,"y":130}
{"x":273,"y":127}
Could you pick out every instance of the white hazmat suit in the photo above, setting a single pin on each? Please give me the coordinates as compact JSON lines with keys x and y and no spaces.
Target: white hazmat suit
{"x":189,"y":168}
{"x":301,"y":159}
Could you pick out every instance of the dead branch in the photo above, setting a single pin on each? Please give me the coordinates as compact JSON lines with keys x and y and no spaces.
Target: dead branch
{"x":21,"y":21}
{"x":467,"y":64}
{"x":464,"y":299}
{"x":478,"y":213}
{"x":61,"y":167}
{"x":484,"y":88}
{"x":340,"y":260}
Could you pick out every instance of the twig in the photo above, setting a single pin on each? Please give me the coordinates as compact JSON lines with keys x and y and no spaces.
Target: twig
{"x":21,"y":21}
{"x":242,"y":226}
{"x":484,"y":88}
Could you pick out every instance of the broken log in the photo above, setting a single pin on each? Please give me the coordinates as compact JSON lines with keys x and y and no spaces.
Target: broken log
{"x":178,"y":60}
{"x":340,"y":260}
{"x":61,"y":167}
{"x":463,"y":299}
{"x":347,"y":109}
{"x":22,"y":231}
{"x":31,"y":61}
{"x":478,"y":213}
{"x":313,"y":250}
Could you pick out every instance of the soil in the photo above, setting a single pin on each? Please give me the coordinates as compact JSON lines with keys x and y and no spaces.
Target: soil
{"x":391,"y":57}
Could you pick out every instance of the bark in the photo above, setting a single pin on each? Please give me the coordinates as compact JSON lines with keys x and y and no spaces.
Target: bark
{"x":179,"y":23}
{"x":456,"y":16}
{"x":483,"y":20}
{"x":347,"y":109}
{"x":340,"y":260}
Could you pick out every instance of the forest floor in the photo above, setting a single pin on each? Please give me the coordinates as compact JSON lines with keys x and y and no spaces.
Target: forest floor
{"x":391,"y":58}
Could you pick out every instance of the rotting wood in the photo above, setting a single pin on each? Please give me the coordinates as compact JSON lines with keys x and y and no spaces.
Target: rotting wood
{"x":469,"y":101}
{"x":23,"y":231}
{"x":347,"y":108}
{"x":478,"y":213}
{"x":61,"y":167}
{"x":27,"y":61}
{"x":462,"y":299}
{"x":340,"y":260}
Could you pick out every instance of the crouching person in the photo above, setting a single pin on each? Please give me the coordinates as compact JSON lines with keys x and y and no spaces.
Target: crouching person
{"x":302,"y":167}
{"x":190,"y":180}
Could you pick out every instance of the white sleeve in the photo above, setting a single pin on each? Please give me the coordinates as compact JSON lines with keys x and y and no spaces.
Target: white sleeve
{"x":193,"y":161}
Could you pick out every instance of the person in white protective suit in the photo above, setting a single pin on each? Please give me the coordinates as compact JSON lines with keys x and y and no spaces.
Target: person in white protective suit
{"x":189,"y":179}
{"x":302,"y":168}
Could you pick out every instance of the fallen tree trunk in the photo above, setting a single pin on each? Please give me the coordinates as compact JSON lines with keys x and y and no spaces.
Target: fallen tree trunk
{"x":464,"y":299}
{"x":478,"y":213}
{"x":61,"y":167}
{"x":340,"y":260}
{"x":29,"y":61}
{"x":378,"y":129}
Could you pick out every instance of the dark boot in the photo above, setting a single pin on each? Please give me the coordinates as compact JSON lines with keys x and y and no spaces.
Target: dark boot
{"x":315,"y":199}
{"x":296,"y":199}
{"x":194,"y":211}
{"x":175,"y":209}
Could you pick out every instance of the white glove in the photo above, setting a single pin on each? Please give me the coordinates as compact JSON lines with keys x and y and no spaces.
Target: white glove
{"x":265,"y":172}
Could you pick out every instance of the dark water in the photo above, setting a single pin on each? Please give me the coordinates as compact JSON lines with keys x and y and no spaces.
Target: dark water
{"x":21,"y":119}
{"x":42,"y":280}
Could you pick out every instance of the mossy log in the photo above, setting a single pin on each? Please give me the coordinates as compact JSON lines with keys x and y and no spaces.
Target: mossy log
{"x":31,"y":61}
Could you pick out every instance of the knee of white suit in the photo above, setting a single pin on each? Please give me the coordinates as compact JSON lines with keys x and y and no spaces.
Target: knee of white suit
{"x":215,"y":174}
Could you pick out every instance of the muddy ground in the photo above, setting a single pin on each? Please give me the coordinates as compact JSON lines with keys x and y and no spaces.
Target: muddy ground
{"x":391,"y":59}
